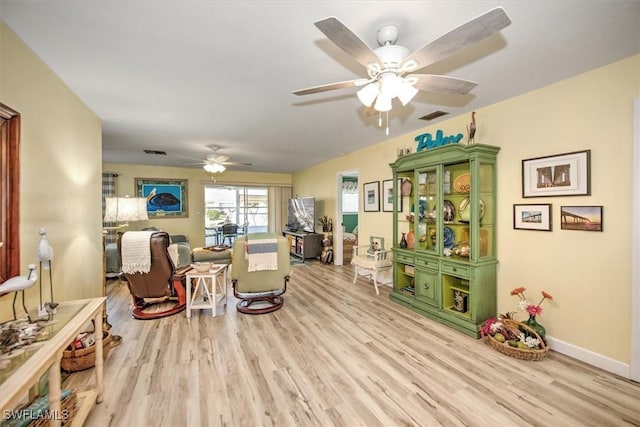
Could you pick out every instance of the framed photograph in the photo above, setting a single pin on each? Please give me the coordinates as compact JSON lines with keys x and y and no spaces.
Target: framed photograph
{"x":371,"y":196}
{"x":566,"y":174}
{"x":584,"y":218}
{"x":387,"y":196}
{"x":532,"y":217}
{"x":166,"y":198}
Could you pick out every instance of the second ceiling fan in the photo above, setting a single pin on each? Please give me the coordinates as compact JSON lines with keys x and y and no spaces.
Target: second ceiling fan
{"x":216,"y":163}
{"x":390,"y":67}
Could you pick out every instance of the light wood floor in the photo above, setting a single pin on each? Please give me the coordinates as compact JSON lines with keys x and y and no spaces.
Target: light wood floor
{"x":337,"y":355}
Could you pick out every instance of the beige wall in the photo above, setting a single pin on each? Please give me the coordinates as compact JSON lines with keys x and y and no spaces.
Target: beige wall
{"x":60,"y":182}
{"x":193,"y":225}
{"x":588,"y":273}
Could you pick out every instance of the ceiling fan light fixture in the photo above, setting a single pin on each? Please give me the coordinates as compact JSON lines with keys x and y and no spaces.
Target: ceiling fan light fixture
{"x":368,"y":94}
{"x":383,"y":103}
{"x":406,"y":92}
{"x":214,"y":168}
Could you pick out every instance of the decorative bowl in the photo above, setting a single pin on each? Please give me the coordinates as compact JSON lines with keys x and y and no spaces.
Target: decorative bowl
{"x":201,"y":267}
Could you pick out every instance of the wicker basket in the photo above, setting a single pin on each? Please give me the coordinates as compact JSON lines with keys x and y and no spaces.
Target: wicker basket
{"x":68,"y":410}
{"x":519,"y":353}
{"x":77,"y":360}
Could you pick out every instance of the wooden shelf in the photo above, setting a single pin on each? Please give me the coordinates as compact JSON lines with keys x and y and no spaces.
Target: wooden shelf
{"x":86,"y":402}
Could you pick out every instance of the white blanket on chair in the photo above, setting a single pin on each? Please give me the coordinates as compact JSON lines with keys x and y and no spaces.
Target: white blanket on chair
{"x":136,"y":252}
{"x":262,"y":254}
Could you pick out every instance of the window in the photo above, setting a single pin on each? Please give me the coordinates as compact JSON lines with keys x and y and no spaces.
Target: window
{"x":236,"y":204}
{"x":350,"y":196}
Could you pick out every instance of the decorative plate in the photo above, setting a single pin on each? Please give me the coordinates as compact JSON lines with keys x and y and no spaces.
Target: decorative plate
{"x":465,"y":207}
{"x":449,"y":211}
{"x":422,"y":204}
{"x":462,"y":183}
{"x":449,"y":238}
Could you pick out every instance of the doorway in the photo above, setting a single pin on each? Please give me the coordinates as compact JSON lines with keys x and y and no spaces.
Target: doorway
{"x":347,"y":202}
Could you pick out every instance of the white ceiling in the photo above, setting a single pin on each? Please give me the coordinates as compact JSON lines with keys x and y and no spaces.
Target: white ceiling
{"x":178,"y":76}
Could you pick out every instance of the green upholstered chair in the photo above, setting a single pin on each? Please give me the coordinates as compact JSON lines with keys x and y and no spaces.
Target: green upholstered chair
{"x":260,"y":291}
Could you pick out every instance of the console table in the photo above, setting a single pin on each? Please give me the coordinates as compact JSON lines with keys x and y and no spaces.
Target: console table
{"x":304,"y":245}
{"x":25,"y":370}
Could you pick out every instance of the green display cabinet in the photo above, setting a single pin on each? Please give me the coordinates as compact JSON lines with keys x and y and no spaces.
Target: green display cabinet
{"x":444,"y":229}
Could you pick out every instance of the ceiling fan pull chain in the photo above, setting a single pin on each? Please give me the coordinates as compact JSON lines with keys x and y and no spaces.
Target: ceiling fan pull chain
{"x":387,"y":130}
{"x":380,"y":119}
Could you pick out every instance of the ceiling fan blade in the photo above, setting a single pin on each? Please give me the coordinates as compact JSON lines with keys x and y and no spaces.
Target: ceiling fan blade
{"x":441,"y":84}
{"x":236,"y":163}
{"x":347,"y":40}
{"x":190,"y":158}
{"x":465,"y":35}
{"x":332,"y":86}
{"x":221,"y":158}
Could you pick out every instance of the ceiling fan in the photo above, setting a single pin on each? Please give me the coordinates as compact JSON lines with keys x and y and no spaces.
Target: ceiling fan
{"x":216,"y":163}
{"x":388,"y":65}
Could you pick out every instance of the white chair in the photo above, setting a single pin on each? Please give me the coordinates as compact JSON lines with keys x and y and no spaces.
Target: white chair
{"x":373,"y":261}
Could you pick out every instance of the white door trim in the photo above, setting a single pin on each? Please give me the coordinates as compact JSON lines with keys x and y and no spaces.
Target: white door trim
{"x":634,"y":365}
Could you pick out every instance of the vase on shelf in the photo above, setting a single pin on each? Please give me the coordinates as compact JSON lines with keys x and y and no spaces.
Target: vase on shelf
{"x":405,"y":187}
{"x":403,"y":241}
{"x":533,"y":324}
{"x":411,"y":240}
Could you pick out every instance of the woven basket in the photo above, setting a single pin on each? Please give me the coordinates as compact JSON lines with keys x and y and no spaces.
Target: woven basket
{"x":519,"y":353}
{"x":77,"y":360}
{"x":68,"y":410}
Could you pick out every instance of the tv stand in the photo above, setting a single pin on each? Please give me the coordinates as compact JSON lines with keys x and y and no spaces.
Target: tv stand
{"x":304,"y":245}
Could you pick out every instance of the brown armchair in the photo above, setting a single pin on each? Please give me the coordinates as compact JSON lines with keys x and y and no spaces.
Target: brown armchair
{"x":160,"y":283}
{"x":260,"y":291}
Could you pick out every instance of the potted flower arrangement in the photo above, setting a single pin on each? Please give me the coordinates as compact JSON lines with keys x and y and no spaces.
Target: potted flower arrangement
{"x":523,"y":340}
{"x":327,"y":224}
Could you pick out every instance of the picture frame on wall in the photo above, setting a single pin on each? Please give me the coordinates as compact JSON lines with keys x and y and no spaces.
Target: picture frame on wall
{"x":387,"y":196}
{"x":371,"y":196}
{"x":567,"y":174}
{"x":532,"y":217}
{"x":166,"y":198}
{"x":583,"y":218}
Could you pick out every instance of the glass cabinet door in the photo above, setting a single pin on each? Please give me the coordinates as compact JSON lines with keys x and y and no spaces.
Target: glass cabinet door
{"x":456,"y":211}
{"x":486,"y":209}
{"x":404,"y":209}
{"x":426,"y":211}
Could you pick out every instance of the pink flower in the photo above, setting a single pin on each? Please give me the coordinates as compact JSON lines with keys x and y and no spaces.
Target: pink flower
{"x":486,"y":328}
{"x":534,"y":310}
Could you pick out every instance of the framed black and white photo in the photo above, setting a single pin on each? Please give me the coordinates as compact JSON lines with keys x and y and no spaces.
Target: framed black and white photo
{"x":371,"y":196}
{"x":583,"y":218}
{"x":387,"y":196}
{"x":532,"y":217}
{"x":566,"y":174}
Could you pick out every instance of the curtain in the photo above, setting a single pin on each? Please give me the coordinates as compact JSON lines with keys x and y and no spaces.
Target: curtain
{"x":108,"y":190}
{"x":278,"y":209}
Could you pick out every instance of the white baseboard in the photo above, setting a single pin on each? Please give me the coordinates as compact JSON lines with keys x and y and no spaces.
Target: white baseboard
{"x":588,"y":356}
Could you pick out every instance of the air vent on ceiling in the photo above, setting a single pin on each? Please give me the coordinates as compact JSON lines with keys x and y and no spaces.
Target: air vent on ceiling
{"x":156,"y":152}
{"x":434,"y":115}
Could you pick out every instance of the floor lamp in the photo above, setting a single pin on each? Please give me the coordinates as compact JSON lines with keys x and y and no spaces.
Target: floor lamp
{"x":119,"y":210}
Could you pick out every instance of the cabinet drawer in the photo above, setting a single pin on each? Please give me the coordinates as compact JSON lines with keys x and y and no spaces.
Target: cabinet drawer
{"x":409,"y":259}
{"x":427,"y":263}
{"x":456,"y":269}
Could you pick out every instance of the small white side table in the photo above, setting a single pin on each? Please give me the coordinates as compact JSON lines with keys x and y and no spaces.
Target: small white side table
{"x":209,"y":290}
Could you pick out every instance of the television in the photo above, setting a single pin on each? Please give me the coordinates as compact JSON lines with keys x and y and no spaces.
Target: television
{"x":301,"y":214}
